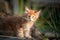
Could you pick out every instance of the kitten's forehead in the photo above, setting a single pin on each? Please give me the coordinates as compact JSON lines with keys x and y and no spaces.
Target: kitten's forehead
{"x":32,"y":12}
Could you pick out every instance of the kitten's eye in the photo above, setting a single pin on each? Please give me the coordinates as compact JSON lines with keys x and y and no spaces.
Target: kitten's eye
{"x":33,"y":16}
{"x":35,"y":12}
{"x":28,"y":16}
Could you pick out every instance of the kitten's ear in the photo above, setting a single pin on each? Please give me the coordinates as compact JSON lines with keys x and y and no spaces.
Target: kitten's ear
{"x":26,"y":8}
{"x":38,"y":12}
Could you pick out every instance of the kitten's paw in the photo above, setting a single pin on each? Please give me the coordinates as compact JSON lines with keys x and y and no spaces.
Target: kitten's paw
{"x":28,"y":36}
{"x":21,"y":37}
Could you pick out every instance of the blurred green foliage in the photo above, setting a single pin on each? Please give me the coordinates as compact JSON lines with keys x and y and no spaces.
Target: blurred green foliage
{"x":49,"y":20}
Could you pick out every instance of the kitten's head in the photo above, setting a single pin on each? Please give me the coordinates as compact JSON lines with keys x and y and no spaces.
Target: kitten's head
{"x":31,"y":15}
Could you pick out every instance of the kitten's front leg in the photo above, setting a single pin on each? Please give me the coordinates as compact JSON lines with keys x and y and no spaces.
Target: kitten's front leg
{"x":27,"y":33}
{"x":20,"y":33}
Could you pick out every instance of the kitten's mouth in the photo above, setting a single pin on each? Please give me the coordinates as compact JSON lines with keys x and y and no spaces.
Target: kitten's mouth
{"x":28,"y":19}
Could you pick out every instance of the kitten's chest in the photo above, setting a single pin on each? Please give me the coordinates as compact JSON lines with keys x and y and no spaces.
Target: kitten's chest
{"x":28,"y":25}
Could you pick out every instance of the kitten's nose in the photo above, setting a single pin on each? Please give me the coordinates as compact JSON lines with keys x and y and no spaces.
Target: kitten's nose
{"x":29,"y":17}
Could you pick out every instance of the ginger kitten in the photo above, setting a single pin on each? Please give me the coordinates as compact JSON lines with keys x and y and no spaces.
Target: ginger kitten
{"x":20,"y":26}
